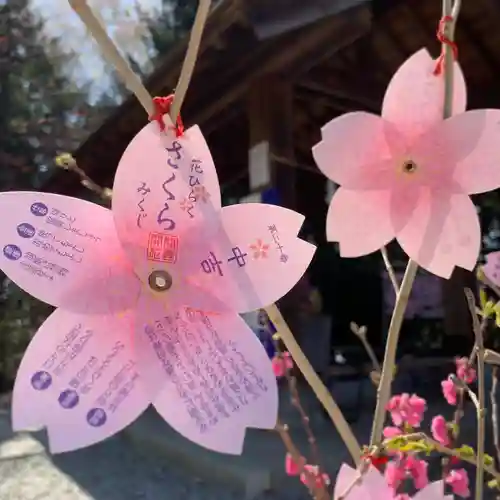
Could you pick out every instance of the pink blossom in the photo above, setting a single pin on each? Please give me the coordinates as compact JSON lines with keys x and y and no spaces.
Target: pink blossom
{"x":288,"y":360}
{"x":281,"y":364}
{"x":410,"y":173}
{"x":320,"y":480}
{"x":390,"y":432}
{"x":394,"y":474}
{"x":292,"y":468}
{"x":440,"y":430}
{"x":418,"y":471}
{"x":373,"y":485}
{"x":464,"y":371}
{"x":459,"y":482}
{"x":449,"y":391}
{"x":406,"y":409}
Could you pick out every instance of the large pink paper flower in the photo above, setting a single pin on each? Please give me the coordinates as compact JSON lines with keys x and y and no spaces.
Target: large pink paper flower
{"x":130,"y":286}
{"x":373,"y":486}
{"x":408,"y":173}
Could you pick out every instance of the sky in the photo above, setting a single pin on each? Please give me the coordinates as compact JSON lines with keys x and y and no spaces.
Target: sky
{"x":123,"y":24}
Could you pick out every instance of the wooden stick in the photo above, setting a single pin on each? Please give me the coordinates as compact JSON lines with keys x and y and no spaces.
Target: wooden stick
{"x":322,"y":393}
{"x":131,"y":80}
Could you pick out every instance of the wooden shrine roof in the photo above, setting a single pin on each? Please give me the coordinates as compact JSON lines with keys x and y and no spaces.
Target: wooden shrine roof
{"x":242,"y":40}
{"x":339,"y":60}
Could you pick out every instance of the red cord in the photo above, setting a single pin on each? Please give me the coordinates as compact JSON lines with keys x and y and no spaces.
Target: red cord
{"x":162,"y":107}
{"x":441,"y":36}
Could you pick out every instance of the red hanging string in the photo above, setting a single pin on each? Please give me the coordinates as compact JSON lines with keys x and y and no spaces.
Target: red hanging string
{"x":441,"y":36}
{"x":162,"y":107}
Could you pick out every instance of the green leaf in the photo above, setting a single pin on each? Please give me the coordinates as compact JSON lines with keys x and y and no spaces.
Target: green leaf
{"x":415,"y":446}
{"x":466,"y":451}
{"x":493,"y":484}
{"x":453,"y":428}
{"x":395,"y":443}
{"x":488,"y":460}
{"x":483,"y":298}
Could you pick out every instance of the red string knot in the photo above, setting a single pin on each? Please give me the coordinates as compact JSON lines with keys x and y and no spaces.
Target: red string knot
{"x":443,"y":38}
{"x":162,"y":107}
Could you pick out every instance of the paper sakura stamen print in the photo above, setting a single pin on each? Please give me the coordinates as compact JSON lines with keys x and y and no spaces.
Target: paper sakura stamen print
{"x":411,"y":173}
{"x":123,"y":280}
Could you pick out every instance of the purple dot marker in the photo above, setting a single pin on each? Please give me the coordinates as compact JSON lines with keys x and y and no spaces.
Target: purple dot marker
{"x":41,"y":381}
{"x":68,"y":399}
{"x":96,"y":417}
{"x":39,"y":209}
{"x":26,"y":230}
{"x":12,"y":252}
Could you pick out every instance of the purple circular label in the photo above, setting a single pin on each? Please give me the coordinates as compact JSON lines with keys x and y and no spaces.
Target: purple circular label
{"x":26,"y":230}
{"x":12,"y":252}
{"x":68,"y":399}
{"x":39,"y":209}
{"x":41,"y":380}
{"x":96,"y":417}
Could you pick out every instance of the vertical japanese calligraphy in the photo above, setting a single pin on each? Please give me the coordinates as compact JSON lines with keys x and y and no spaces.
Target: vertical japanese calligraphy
{"x":143,"y":191}
{"x":275,"y":235}
{"x":163,"y":217}
{"x":213,"y":379}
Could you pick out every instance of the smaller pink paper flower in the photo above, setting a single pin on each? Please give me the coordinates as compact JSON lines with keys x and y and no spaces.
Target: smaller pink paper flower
{"x":320,"y":480}
{"x":459,"y":482}
{"x":292,"y":468}
{"x":440,"y":430}
{"x":406,"y":409}
{"x":465,"y":372}
{"x":449,"y":391}
{"x":408,"y":174}
{"x":373,"y":485}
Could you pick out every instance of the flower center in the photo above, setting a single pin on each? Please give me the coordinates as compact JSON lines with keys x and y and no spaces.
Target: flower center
{"x":160,"y":281}
{"x":409,"y":167}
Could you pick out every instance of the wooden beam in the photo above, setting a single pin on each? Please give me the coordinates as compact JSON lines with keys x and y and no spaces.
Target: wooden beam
{"x":281,"y":57}
{"x":336,"y":94}
{"x":270,"y":118}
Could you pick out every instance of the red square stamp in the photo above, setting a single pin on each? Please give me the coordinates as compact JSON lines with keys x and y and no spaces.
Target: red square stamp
{"x":163,"y":247}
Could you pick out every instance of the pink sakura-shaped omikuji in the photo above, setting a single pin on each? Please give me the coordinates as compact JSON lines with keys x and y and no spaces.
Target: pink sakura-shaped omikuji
{"x":118,"y":341}
{"x":373,"y":486}
{"x":408,"y":174}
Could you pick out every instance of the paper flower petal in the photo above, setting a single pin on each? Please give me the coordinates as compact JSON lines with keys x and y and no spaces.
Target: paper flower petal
{"x":433,"y":491}
{"x":414,"y":99}
{"x":360,"y":221}
{"x":373,"y":485}
{"x":492,"y":267}
{"x":79,"y":379}
{"x":208,"y":375}
{"x":163,"y":187}
{"x":443,"y":232}
{"x":253,"y":259}
{"x":465,"y":147}
{"x":65,"y":251}
{"x":358,"y":151}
